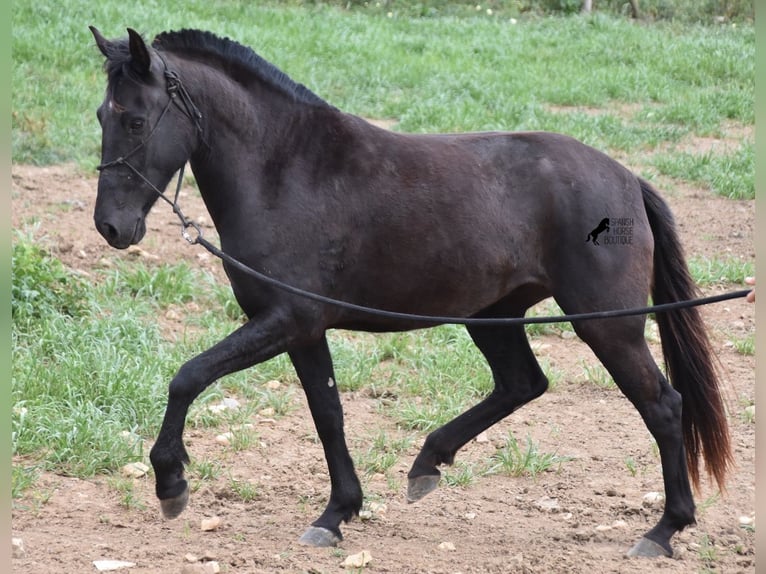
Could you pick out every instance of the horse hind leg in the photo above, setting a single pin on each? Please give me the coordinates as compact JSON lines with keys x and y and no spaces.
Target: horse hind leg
{"x":518,"y":379}
{"x":620,"y":345}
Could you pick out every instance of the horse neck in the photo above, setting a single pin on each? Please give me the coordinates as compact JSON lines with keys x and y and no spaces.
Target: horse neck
{"x":245,"y":128}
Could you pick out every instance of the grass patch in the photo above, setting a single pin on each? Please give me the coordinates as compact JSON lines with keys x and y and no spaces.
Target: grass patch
{"x":514,"y":460}
{"x":706,"y":271}
{"x":450,"y":72}
{"x":730,"y":175}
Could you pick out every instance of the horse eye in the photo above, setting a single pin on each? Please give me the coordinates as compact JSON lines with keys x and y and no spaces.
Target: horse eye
{"x":136,"y":126}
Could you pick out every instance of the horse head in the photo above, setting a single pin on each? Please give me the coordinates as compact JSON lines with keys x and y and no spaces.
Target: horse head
{"x":145,"y":139}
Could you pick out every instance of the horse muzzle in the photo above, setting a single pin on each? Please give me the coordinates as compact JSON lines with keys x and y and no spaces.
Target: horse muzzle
{"x":121,"y":234}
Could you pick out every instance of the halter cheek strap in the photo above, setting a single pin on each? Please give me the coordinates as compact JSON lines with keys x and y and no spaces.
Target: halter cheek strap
{"x":176,"y":90}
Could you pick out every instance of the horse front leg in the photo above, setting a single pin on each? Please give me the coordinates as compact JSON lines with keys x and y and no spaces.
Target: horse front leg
{"x":313,"y":364}
{"x":256,"y":341}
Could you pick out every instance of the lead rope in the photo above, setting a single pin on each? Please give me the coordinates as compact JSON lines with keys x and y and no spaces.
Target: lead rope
{"x":199,"y":239}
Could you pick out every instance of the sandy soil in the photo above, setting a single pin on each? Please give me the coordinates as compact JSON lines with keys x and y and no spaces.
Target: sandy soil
{"x":580,"y":518}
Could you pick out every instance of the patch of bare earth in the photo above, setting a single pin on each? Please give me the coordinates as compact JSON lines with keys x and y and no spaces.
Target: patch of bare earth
{"x":581,"y":517}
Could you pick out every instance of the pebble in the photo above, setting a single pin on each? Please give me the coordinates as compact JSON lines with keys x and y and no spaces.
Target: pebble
{"x":134,"y":470}
{"x":225,"y":438}
{"x":208,"y":524}
{"x":651,"y":499}
{"x":359,"y":560}
{"x":378,"y":508}
{"x":365,"y":515}
{"x":746,"y":520}
{"x":206,"y":568}
{"x":18,"y":548}
{"x":548,"y":504}
{"x":224,"y":405}
{"x":109,"y":565}
{"x":273,"y":385}
{"x":449,"y":546}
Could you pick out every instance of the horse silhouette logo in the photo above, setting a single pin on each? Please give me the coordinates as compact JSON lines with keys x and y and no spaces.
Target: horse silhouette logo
{"x":602,"y":226}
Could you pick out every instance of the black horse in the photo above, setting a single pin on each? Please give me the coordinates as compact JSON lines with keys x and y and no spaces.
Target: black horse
{"x":472,"y":225}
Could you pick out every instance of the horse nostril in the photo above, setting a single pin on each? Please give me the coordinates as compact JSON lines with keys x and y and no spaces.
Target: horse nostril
{"x":108,"y":230}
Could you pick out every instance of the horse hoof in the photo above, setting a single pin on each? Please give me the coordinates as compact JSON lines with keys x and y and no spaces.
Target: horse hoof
{"x":319,"y":537}
{"x":173,"y":507}
{"x":649,"y":549}
{"x":419,"y":486}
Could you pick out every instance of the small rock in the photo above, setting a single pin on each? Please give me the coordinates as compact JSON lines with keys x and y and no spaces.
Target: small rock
{"x":108,"y":565}
{"x":267,"y":421}
{"x":134,"y":470}
{"x":447,"y":546}
{"x":548,"y":504}
{"x":138,"y":252}
{"x":191,"y":558}
{"x":225,"y":405}
{"x":365,"y":515}
{"x":619,"y":524}
{"x":208,"y":524}
{"x":746,"y":520}
{"x":603,"y":528}
{"x":273,"y":385}
{"x":378,"y":508}
{"x":359,"y":560}
{"x":18,"y":548}
{"x":651,"y":499}
{"x":267,"y":412}
{"x":224,"y":439}
{"x":470,"y":515}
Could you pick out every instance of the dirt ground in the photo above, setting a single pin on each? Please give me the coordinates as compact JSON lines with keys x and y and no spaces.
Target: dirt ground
{"x":580,"y":518}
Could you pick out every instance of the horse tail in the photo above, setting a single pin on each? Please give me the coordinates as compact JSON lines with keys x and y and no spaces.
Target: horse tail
{"x":686,"y":348}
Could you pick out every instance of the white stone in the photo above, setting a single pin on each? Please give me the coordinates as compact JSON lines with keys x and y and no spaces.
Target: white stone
{"x":208,"y":524}
{"x":18,"y":548}
{"x":109,"y":565}
{"x":653,"y":499}
{"x":134,"y":470}
{"x":359,"y":560}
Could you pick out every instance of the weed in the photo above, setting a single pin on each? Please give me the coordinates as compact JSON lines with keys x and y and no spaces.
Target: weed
{"x":597,"y":374}
{"x":461,"y":474}
{"x":125,"y":488}
{"x":245,"y":490}
{"x":511,"y":459}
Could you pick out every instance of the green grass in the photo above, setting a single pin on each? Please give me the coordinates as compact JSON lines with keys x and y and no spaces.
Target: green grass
{"x":432,"y":74}
{"x":514,"y":460}
{"x":709,"y":271}
{"x":731,"y":175}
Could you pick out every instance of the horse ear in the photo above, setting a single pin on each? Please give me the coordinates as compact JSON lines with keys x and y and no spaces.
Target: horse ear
{"x":102,"y":43}
{"x":141,"y":60}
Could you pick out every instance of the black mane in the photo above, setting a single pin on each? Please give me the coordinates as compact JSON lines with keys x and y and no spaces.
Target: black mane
{"x":190,"y":42}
